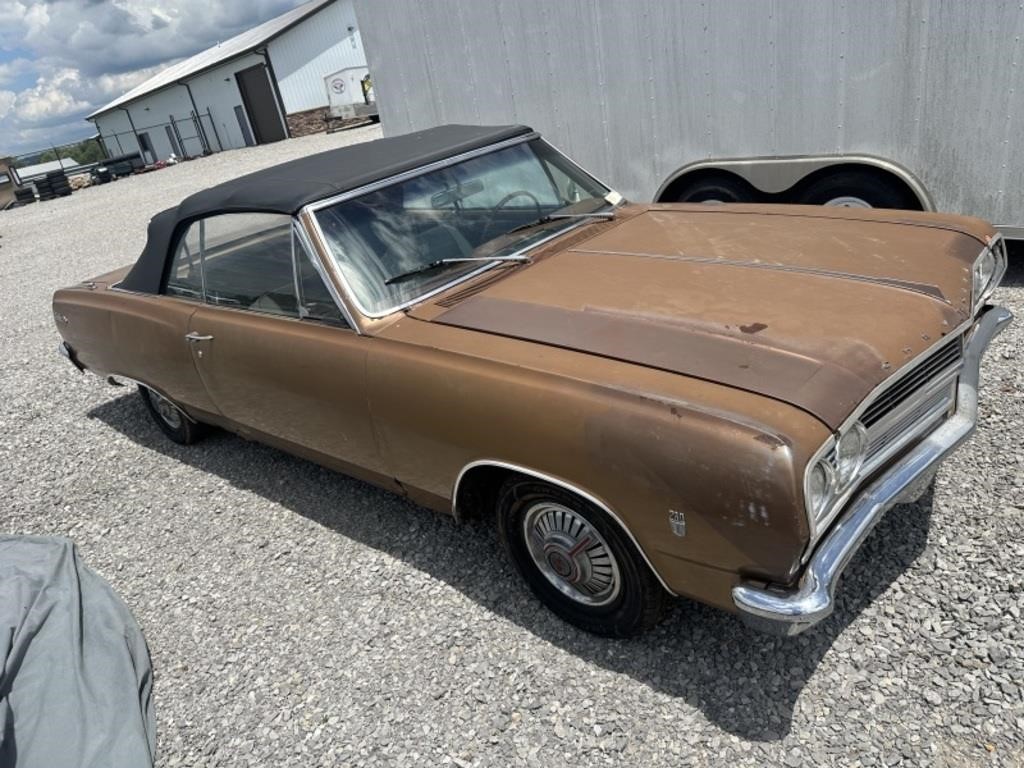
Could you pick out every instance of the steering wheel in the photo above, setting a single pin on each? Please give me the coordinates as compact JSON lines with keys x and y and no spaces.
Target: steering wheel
{"x":502,"y":203}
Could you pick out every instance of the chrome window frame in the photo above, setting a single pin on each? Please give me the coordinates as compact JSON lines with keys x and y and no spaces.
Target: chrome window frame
{"x":310,"y":211}
{"x":298,"y":231}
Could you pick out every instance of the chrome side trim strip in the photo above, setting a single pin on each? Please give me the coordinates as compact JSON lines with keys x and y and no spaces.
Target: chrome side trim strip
{"x":789,"y":612}
{"x":567,"y":486}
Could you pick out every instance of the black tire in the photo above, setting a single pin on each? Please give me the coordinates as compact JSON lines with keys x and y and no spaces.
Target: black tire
{"x":716,"y":188}
{"x":873,"y":189}
{"x":638,"y":602}
{"x":181,"y":429}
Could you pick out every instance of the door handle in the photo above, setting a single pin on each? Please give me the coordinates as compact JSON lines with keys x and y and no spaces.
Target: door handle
{"x":193,"y":336}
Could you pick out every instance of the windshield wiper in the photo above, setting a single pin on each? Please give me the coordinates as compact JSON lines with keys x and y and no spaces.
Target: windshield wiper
{"x":607,"y":215}
{"x":431,"y":266}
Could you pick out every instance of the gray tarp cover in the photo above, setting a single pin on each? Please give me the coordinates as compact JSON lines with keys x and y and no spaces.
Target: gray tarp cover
{"x":76,"y":680}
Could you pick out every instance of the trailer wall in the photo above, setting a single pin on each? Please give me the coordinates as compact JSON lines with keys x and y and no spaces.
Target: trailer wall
{"x":635,"y":90}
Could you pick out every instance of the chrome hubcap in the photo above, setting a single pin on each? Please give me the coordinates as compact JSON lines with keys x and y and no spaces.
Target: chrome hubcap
{"x":571,"y":554}
{"x":849,"y":201}
{"x":166,"y":409}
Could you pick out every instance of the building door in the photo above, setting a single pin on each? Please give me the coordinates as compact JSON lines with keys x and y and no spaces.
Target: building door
{"x":260,"y":104}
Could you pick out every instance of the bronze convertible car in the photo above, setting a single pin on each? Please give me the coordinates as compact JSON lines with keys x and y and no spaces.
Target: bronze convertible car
{"x":651,"y":400}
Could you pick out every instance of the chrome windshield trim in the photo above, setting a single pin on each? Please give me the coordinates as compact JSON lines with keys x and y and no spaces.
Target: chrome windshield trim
{"x":447,"y":162}
{"x":791,"y":611}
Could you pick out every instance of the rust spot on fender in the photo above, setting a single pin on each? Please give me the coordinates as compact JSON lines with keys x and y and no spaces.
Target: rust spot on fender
{"x":753,"y":327}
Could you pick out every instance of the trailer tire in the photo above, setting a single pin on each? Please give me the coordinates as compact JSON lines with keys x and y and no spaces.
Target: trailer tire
{"x":715,"y":188}
{"x":857,"y":189}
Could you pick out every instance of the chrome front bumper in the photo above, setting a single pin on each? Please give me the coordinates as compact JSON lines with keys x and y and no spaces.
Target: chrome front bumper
{"x":790,"y":612}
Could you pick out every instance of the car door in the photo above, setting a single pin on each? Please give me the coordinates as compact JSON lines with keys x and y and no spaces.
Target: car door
{"x":272,"y":348}
{"x":148,"y":332}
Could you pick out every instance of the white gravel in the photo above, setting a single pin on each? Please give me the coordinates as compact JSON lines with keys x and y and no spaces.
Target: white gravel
{"x":300,"y":618}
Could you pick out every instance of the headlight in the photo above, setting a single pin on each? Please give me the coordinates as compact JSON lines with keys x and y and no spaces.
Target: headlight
{"x":850,"y":454}
{"x":984,"y":270}
{"x":819,"y":487}
{"x":988,"y":271}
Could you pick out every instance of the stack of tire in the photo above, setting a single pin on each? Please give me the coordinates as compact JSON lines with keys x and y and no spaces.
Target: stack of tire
{"x":54,"y":185}
{"x":24,"y":196}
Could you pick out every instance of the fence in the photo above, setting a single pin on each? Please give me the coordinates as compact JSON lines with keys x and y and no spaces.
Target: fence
{"x":71,"y":157}
{"x":186,"y":137}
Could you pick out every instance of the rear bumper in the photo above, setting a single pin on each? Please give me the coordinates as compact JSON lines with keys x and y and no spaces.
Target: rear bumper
{"x":790,"y":612}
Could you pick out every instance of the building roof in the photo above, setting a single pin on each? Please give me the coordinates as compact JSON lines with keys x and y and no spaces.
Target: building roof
{"x":287,"y":187}
{"x":28,"y":171}
{"x":218,"y":54}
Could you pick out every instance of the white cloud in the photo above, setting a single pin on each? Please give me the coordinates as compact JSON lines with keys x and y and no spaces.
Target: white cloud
{"x":10,"y":70}
{"x":6,"y":102}
{"x":51,"y":99}
{"x":84,"y":53}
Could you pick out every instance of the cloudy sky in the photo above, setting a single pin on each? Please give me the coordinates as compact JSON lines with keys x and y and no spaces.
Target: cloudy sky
{"x":61,"y":59}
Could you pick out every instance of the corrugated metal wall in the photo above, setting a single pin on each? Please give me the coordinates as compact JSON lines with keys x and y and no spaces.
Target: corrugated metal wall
{"x":634,"y":90}
{"x":319,"y":46}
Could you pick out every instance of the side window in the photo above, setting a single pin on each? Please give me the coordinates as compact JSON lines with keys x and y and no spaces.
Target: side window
{"x":250,"y":261}
{"x":186,"y":277}
{"x":315,"y":301}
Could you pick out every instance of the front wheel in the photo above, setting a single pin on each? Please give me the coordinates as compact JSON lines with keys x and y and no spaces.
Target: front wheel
{"x":170,"y":418}
{"x":577,"y":560}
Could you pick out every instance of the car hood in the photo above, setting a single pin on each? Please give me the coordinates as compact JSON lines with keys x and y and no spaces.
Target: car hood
{"x":812,"y":307}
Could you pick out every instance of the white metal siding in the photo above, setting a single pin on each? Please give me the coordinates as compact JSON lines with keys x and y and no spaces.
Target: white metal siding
{"x":217,"y":90}
{"x":149,"y":115}
{"x":636,"y":90}
{"x":308,"y":52}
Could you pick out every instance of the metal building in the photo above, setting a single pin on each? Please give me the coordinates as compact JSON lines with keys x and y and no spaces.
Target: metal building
{"x":263,"y":85}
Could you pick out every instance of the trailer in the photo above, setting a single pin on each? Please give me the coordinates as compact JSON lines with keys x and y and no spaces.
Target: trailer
{"x":872,"y":103}
{"x":350,"y":94}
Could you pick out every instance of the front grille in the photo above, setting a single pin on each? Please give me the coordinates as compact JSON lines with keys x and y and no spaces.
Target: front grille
{"x":945,"y":358}
{"x":920,"y":415}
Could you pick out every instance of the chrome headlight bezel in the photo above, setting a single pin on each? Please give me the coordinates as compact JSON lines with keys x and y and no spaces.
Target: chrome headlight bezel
{"x":851,"y":450}
{"x":987,"y":272}
{"x":841,"y":466}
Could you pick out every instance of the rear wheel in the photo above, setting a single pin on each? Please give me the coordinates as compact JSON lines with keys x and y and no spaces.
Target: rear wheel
{"x":857,"y":189}
{"x":577,"y":560}
{"x":170,"y":418}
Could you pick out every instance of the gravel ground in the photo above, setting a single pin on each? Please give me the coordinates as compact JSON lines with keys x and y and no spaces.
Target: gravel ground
{"x":297,"y":617}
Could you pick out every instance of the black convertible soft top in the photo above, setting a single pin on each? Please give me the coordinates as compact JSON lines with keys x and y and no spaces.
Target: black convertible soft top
{"x":287,"y":187}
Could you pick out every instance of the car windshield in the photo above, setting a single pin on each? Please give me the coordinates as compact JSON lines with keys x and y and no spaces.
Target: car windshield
{"x":408,"y":240}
